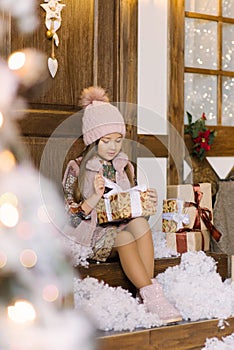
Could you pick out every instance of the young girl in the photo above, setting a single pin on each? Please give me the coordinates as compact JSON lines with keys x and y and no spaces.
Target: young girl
{"x":103,"y":130}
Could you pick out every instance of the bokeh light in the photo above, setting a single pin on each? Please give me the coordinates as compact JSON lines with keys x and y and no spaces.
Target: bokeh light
{"x":7,"y":161}
{"x":21,"y":312}
{"x":50,"y":293}
{"x":16,"y":60}
{"x":28,"y":258}
{"x":9,"y":215}
{"x":30,"y":65}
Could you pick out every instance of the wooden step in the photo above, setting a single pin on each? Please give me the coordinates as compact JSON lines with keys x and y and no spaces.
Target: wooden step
{"x":112,"y":273}
{"x":183,"y":336}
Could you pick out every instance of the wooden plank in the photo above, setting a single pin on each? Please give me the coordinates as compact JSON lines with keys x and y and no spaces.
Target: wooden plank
{"x":188,"y":336}
{"x":112,"y":273}
{"x":182,"y":336}
{"x":5,"y":46}
{"x":152,"y":145}
{"x":176,"y":92}
{"x":128,"y":38}
{"x":126,"y":341}
{"x":105,"y":74}
{"x":43,"y":122}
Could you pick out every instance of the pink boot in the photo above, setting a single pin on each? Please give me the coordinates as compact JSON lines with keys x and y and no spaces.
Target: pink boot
{"x":156,"y":302}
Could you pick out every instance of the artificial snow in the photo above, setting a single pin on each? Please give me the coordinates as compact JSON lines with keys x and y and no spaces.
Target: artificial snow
{"x":111,"y":308}
{"x":196,"y":288}
{"x":227,"y":343}
{"x":160,"y":246}
{"x":193,"y":286}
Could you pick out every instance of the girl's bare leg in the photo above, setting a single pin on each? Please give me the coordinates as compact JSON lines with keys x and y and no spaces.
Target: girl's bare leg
{"x":131,"y":261}
{"x":141,"y":231}
{"x":136,"y":253}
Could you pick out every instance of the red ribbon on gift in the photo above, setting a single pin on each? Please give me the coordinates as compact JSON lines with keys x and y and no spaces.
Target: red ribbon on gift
{"x":203,"y":214}
{"x":181,"y":239}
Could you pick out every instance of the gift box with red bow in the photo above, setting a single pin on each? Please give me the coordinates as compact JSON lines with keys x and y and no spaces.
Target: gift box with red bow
{"x":198,"y":206}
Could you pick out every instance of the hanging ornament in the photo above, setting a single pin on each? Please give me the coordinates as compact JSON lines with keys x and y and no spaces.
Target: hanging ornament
{"x":53,"y":21}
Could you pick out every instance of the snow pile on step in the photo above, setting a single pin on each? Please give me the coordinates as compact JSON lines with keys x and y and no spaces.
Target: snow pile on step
{"x":193,"y":286}
{"x":227,"y":343}
{"x":196,"y":288}
{"x":111,"y":308}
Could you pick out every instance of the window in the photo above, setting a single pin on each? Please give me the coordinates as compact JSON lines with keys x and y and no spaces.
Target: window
{"x":209,"y":60}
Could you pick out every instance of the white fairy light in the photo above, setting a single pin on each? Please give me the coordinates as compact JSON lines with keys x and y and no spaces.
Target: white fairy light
{"x":9,"y":215}
{"x":21,"y":312}
{"x":16,"y":60}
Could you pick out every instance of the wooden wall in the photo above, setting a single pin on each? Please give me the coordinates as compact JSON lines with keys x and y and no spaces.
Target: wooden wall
{"x":223,"y":145}
{"x":98,"y":46}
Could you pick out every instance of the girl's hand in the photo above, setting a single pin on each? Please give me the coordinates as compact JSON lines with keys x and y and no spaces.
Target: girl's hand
{"x":99,"y":184}
{"x":153,"y":195}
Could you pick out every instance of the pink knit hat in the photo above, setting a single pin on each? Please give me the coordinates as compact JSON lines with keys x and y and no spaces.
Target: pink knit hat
{"x":100,"y":117}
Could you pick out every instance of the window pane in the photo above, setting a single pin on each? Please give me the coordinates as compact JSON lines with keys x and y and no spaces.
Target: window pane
{"x":201,"y":96}
{"x":228,"y":8}
{"x":209,"y":7}
{"x":228,"y":47}
{"x":228,"y":101}
{"x":200,"y":43}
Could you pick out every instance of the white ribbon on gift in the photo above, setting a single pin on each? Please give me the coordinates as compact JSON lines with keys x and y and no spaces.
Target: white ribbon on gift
{"x":179,"y":217}
{"x":135,"y":199}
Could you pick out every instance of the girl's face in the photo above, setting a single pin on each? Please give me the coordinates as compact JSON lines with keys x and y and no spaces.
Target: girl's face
{"x":109,"y":146}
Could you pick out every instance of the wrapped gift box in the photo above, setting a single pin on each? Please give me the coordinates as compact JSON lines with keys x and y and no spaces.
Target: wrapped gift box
{"x":186,"y":192}
{"x":184,"y":241}
{"x":174,"y":216}
{"x":125,"y":205}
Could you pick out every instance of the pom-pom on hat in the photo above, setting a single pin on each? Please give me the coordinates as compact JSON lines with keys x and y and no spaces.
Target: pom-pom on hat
{"x":100,"y":117}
